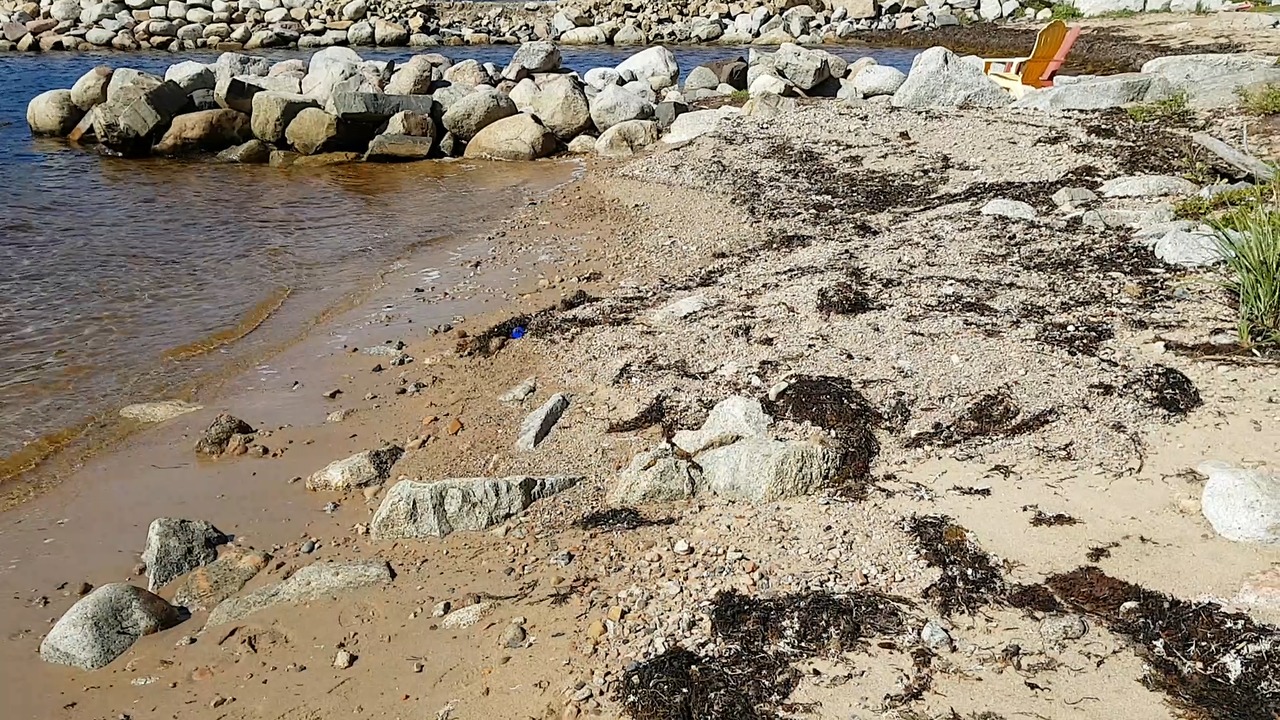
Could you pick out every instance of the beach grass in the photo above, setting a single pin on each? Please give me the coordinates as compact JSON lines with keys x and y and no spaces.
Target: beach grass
{"x":1263,"y":100}
{"x":1173,"y":110}
{"x":1249,"y":236}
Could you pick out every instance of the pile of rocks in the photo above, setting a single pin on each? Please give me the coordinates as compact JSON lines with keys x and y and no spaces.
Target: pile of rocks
{"x":341,"y":108}
{"x":248,"y":24}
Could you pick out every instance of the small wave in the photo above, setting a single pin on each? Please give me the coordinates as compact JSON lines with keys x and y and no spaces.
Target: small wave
{"x":251,"y":321}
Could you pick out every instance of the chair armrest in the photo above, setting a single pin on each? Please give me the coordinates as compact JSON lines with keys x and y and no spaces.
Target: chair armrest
{"x":1006,"y":64}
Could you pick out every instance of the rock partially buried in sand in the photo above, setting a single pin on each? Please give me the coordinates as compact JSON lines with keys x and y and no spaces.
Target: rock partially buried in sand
{"x":310,"y":583}
{"x":102,"y":625}
{"x":731,"y":419}
{"x":419,"y":510}
{"x":761,"y":469}
{"x":371,"y":467}
{"x":153,"y":412}
{"x":538,"y":424}
{"x":219,"y":433}
{"x":467,"y":616}
{"x":176,"y":547}
{"x":207,"y":586}
{"x":1241,"y":505}
{"x":655,"y":476}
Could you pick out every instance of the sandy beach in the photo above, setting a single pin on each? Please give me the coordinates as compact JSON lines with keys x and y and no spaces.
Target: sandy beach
{"x":994,"y":399}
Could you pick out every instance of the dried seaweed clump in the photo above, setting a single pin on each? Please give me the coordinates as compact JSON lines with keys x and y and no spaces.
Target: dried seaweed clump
{"x":807,"y":624}
{"x":1165,"y":388}
{"x":844,"y":298}
{"x":542,"y":321}
{"x":970,"y":578}
{"x":834,"y":404}
{"x":620,"y":518}
{"x":682,"y":685}
{"x":993,"y":414}
{"x":652,"y":414}
{"x":1213,"y":664}
{"x":1076,"y":338}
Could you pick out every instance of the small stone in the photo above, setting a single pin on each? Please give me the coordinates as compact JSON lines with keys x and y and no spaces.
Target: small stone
{"x":935,"y":637}
{"x":441,"y":609}
{"x":453,"y":427}
{"x":513,"y":637}
{"x":596,"y":630}
{"x":1058,"y":628}
{"x":682,"y":547}
{"x":343,"y":660}
{"x":615,"y":613}
{"x":308,"y":547}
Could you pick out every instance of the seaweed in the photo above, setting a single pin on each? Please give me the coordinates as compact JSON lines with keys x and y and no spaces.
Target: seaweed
{"x":843,"y":298}
{"x":971,"y":490}
{"x":1212,"y":664}
{"x":620,"y":518}
{"x":834,"y":404}
{"x":807,"y":624}
{"x":990,"y":415}
{"x":1034,"y":598}
{"x":970,"y":578}
{"x":1043,"y":519}
{"x":682,"y":685}
{"x":652,"y":414}
{"x":1165,"y":388}
{"x":543,"y":321}
{"x":1098,"y":552}
{"x":1075,"y":338}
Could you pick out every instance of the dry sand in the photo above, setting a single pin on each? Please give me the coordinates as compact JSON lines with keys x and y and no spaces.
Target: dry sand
{"x":766,"y":219}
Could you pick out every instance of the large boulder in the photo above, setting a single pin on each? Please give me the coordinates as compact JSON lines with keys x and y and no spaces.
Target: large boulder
{"x":204,"y":131}
{"x":875,"y":80}
{"x":191,"y":76}
{"x":371,"y":467}
{"x":91,"y":88}
{"x":805,"y":68}
{"x":420,"y":510}
{"x":656,"y":66}
{"x":313,"y":131}
{"x":127,"y":122}
{"x":654,"y":476}
{"x":328,"y":69}
{"x":1214,"y":80}
{"x":377,"y":108}
{"x":614,"y":105}
{"x":408,"y":122}
{"x":53,"y":112}
{"x":387,"y":33}
{"x":627,"y":138}
{"x":538,"y":56}
{"x":518,"y":137}
{"x":176,"y":547}
{"x":1242,"y":505}
{"x":471,"y":114}
{"x":399,"y":148}
{"x":731,"y":419}
{"x":254,"y":152}
{"x":562,"y":107}
{"x":129,"y":84}
{"x":231,"y":64}
{"x":939,"y":78}
{"x":762,"y":469}
{"x":690,"y":125}
{"x":730,"y":72}
{"x":584,"y":36}
{"x":102,"y":625}
{"x":701,"y":78}
{"x":1194,"y":247}
{"x":467,"y":74}
{"x":273,"y":111}
{"x":413,"y":78}
{"x":208,"y":585}
{"x":313,"y":582}
{"x":1090,"y":93}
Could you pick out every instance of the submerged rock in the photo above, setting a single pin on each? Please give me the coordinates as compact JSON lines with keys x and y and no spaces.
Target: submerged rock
{"x":176,"y":547}
{"x":53,"y":113}
{"x":310,"y":583}
{"x":104,"y":624}
{"x":207,"y":130}
{"x":418,"y":510}
{"x":158,"y":411}
{"x":371,"y":467}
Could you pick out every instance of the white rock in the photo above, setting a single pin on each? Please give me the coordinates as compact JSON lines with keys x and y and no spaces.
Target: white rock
{"x":682,"y":308}
{"x":371,"y":467}
{"x":732,"y":419}
{"x":538,"y":424}
{"x":1241,"y":505}
{"x":1147,"y":186}
{"x":1010,"y":209}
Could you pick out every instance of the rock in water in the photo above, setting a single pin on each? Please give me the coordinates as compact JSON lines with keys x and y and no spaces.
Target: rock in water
{"x":418,"y":510}
{"x":273,"y":111}
{"x":53,"y":113}
{"x":538,"y":56}
{"x":656,"y":66}
{"x":471,"y":114}
{"x":91,"y":88}
{"x":939,"y":78}
{"x":312,"y":582}
{"x":133,"y":114}
{"x":254,"y":152}
{"x":399,"y":148}
{"x":371,"y":467}
{"x":207,"y":130}
{"x":102,"y":625}
{"x":1241,"y":505}
{"x":209,"y":585}
{"x":219,"y":434}
{"x":537,"y":425}
{"x":519,"y":137}
{"x":158,"y":411}
{"x":176,"y":547}
{"x":313,"y":130}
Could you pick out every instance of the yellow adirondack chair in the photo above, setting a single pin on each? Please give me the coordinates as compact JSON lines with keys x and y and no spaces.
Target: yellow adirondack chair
{"x":1037,"y":69}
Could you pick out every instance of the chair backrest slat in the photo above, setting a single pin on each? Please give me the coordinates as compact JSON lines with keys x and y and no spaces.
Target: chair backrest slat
{"x":1048,"y":43}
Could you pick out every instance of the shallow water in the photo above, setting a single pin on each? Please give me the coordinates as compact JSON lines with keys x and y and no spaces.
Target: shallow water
{"x":116,"y":274}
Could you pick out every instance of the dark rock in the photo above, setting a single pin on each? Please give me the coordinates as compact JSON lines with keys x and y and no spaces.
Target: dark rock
{"x":730,"y":72}
{"x":667,"y":112}
{"x":219,"y":434}
{"x":176,"y":547}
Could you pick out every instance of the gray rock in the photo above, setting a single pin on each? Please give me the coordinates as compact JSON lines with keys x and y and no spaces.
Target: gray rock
{"x":254,"y":152}
{"x":538,"y":424}
{"x":582,"y":145}
{"x":413,"y":79}
{"x":53,"y":112}
{"x":328,"y":70}
{"x":585,"y":36}
{"x":1092,"y":94}
{"x":523,"y":95}
{"x":236,"y":93}
{"x":176,"y":547}
{"x":389,"y":34}
{"x":562,"y":107}
{"x":768,"y":105}
{"x":875,"y":80}
{"x":469,"y":115}
{"x":518,"y":394}
{"x":1242,"y":505}
{"x":731,"y":419}
{"x":467,"y":74}
{"x":398,"y":148}
{"x":210,"y":584}
{"x":666,"y":112}
{"x":1011,"y":209}
{"x":935,"y":636}
{"x":614,"y":105}
{"x":273,"y":111}
{"x":311,"y":583}
{"x":91,"y":88}
{"x":538,"y":56}
{"x":1198,"y":247}
{"x":1057,"y":629}
{"x":231,"y":64}
{"x":419,"y":510}
{"x":629,"y":35}
{"x":408,"y":122}
{"x":655,"y":476}
{"x":104,"y":624}
{"x":627,"y":138}
{"x":1214,"y":80}
{"x":656,"y":66}
{"x":313,"y":130}
{"x":361,"y":33}
{"x":1093,"y":8}
{"x":204,"y":131}
{"x":371,"y":467}
{"x":1075,"y":197}
{"x":513,"y":637}
{"x":939,"y":78}
{"x":701,"y":78}
{"x":191,"y":76}
{"x":805,"y":68}
{"x":760,"y":469}
{"x":601,"y":78}
{"x":364,"y":107}
{"x":695,"y":124}
{"x":1147,"y":186}
{"x":219,"y":433}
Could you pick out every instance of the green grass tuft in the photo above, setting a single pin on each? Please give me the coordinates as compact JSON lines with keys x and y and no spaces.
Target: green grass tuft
{"x":1066,"y":11}
{"x":1173,"y":110}
{"x":1244,"y":199}
{"x":1264,"y":100}
{"x":739,"y":96}
{"x":1250,"y":240}
{"x":1117,"y":14}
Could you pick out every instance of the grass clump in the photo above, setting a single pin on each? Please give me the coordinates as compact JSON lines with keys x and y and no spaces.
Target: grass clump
{"x":1173,"y":110}
{"x":1066,"y":11}
{"x":1250,"y":241}
{"x":1227,"y":202}
{"x":1118,"y":14}
{"x":1263,"y":100}
{"x":739,"y":96}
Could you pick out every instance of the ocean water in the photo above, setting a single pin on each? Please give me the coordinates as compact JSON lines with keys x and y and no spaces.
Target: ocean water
{"x":128,"y":280}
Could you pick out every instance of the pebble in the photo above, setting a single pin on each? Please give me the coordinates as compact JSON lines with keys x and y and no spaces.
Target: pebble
{"x":682,"y":547}
{"x":343,"y":660}
{"x":308,"y":547}
{"x":935,"y":637}
{"x":596,"y":630}
{"x":1058,"y":628}
{"x":513,"y":637}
